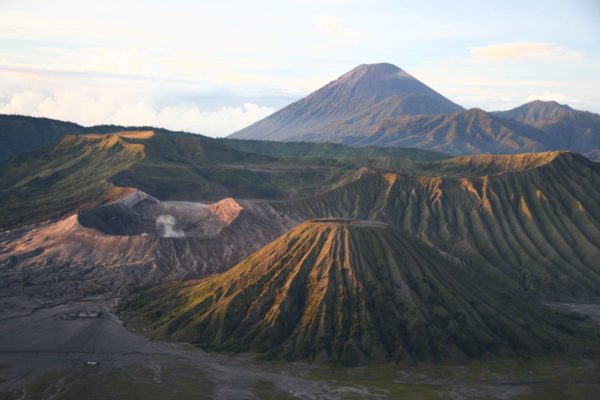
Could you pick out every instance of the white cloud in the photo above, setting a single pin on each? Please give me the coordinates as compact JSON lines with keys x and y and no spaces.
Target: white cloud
{"x":117,"y":61}
{"x":333,"y":28}
{"x":548,"y":96}
{"x":188,"y":117}
{"x":22,"y":102}
{"x":117,"y":107}
{"x":523,"y":50}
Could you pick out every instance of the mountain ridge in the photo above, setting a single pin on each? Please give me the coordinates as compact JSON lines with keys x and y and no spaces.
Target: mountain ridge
{"x":536,"y":229}
{"x":565,"y":127}
{"x":536,"y":110}
{"x":349,"y":292}
{"x":466,"y":132}
{"x":69,"y":175}
{"x":382,"y":105}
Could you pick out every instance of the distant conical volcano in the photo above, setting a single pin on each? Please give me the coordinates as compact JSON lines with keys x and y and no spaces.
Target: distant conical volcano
{"x":350,"y":104}
{"x":347,"y":291}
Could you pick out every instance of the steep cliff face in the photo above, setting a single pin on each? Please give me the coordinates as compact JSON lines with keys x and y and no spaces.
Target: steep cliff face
{"x":530,"y":221}
{"x":351,"y":292}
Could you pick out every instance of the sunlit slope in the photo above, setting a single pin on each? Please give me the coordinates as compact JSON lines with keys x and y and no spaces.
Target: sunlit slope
{"x":126,"y":244}
{"x":534,"y":227}
{"x":349,"y":292}
{"x":178,"y":166}
{"x":70,"y":175}
{"x":186,"y":167}
{"x":82,"y":171}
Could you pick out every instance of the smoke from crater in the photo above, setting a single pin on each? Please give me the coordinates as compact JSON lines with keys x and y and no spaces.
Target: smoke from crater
{"x":166,"y":227}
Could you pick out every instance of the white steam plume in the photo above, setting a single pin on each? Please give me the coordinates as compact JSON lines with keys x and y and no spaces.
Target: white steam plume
{"x":165,"y":225}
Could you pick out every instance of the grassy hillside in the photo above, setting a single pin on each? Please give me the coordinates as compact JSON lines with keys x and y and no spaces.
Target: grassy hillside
{"x":81,"y":170}
{"x":350,"y":292}
{"x":328,"y":150}
{"x":192,"y":167}
{"x":70,"y":175}
{"x":21,"y":134}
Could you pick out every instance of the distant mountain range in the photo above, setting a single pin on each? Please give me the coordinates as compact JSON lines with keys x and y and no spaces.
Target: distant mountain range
{"x":467,"y":132}
{"x":382,"y":105}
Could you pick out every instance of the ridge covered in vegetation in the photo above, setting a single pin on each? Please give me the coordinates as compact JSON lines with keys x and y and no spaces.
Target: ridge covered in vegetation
{"x":80,"y":171}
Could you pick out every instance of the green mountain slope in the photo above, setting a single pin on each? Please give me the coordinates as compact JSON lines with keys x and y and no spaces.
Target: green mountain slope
{"x":529,"y":221}
{"x":86,"y":170}
{"x":348,"y":292}
{"x":79,"y":170}
{"x":21,"y":134}
{"x":57,"y":180}
{"x":329,"y":150}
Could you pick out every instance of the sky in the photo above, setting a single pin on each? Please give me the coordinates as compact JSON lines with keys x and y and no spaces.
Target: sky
{"x":214,"y":67}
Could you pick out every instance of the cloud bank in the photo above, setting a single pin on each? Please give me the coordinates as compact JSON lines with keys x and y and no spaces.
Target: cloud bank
{"x":523,"y":50}
{"x":214,"y":67}
{"x":103,"y":101}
